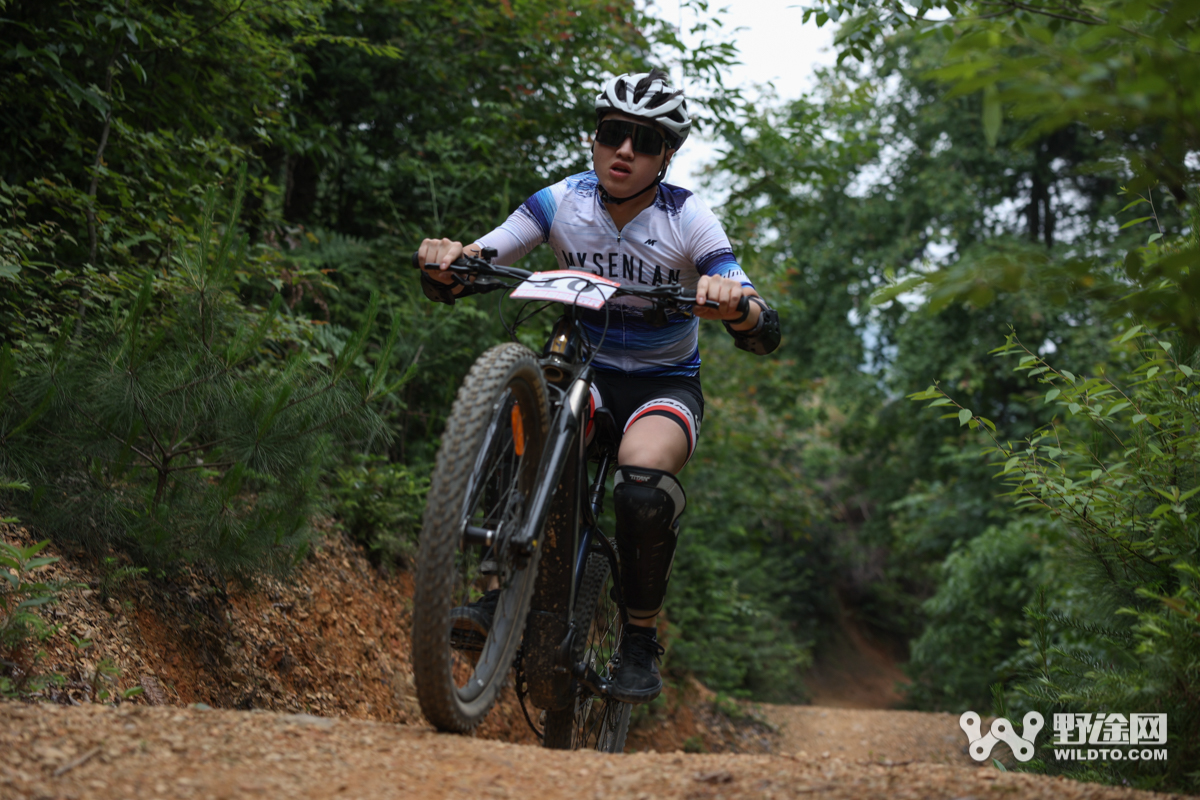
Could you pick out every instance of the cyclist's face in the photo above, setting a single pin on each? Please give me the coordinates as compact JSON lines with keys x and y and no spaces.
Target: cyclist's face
{"x":623,"y":170}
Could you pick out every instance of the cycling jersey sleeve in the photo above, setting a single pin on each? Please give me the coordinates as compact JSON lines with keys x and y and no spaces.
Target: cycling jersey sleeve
{"x":525,"y":228}
{"x":709,"y":246}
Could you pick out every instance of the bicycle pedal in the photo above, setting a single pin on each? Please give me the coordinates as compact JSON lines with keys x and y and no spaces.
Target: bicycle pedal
{"x":489,"y":567}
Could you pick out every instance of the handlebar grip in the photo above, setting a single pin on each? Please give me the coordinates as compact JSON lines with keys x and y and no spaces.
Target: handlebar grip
{"x":460,"y":262}
{"x":742,"y":306}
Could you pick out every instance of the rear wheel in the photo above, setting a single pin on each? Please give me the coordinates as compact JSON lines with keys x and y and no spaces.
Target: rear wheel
{"x":591,"y":722}
{"x":483,"y":481}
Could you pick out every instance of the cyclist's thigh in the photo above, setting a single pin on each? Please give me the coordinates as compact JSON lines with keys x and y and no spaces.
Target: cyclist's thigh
{"x":660,"y":417}
{"x":654,"y":442}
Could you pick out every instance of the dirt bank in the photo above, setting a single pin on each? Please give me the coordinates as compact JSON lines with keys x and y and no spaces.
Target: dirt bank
{"x":331,"y":640}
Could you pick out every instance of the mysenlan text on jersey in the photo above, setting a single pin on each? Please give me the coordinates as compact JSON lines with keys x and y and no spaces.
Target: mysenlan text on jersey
{"x":640,"y":272}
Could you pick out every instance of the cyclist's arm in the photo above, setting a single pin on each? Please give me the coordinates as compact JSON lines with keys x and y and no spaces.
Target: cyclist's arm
{"x":722,"y":279}
{"x":525,"y":229}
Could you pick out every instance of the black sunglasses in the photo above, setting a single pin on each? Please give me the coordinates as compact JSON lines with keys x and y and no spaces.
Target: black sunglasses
{"x":646,"y":140}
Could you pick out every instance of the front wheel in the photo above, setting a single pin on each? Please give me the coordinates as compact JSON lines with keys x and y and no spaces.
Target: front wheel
{"x":591,"y":722}
{"x":483,"y":481}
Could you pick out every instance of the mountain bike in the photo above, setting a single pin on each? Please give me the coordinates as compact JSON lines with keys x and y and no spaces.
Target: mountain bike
{"x":511,"y":519}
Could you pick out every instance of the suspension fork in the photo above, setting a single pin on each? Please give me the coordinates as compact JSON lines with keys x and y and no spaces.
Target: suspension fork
{"x":565,"y":437}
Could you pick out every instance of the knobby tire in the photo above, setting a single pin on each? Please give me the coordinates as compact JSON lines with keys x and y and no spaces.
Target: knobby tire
{"x":485,"y":478}
{"x":593,"y":723}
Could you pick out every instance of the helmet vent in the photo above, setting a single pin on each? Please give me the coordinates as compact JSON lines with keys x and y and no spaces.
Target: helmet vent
{"x":647,"y":96}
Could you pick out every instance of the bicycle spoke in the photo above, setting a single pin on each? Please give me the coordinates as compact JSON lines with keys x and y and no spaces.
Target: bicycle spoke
{"x":494,"y":502}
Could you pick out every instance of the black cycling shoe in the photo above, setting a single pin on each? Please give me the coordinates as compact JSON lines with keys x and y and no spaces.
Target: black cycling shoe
{"x":470,"y":624}
{"x":636,"y":678}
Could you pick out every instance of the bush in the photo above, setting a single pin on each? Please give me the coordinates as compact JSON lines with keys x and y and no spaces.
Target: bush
{"x":975,"y":620}
{"x":185,"y":425}
{"x":751,"y":579}
{"x":20,"y":625}
{"x":381,"y":505}
{"x":1121,"y":471}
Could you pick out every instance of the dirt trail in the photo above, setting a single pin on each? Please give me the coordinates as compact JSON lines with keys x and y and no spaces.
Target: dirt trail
{"x":854,"y":683}
{"x":855,"y":669}
{"x":870,"y":735}
{"x":332,"y":643}
{"x":130,"y":751}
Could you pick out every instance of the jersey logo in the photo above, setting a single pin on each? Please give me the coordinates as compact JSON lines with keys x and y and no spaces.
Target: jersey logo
{"x":652,"y":242}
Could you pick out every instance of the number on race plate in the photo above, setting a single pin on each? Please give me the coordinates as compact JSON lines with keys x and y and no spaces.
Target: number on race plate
{"x":569,"y":286}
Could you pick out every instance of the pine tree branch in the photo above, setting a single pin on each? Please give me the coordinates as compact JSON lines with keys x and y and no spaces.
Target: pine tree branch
{"x":149,"y":459}
{"x":203,"y":379}
{"x":205,"y":465}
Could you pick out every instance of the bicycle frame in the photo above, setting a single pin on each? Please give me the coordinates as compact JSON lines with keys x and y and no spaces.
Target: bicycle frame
{"x":564,"y":512}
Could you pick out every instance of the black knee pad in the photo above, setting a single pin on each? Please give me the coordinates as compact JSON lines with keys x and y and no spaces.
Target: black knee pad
{"x":647,"y":503}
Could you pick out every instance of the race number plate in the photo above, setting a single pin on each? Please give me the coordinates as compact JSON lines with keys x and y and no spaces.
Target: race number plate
{"x":567,"y":286}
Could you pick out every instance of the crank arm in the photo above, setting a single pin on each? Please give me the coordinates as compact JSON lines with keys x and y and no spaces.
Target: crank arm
{"x":588,"y":677}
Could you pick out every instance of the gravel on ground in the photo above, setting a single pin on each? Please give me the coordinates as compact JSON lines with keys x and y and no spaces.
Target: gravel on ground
{"x":871,"y":735}
{"x":94,"y":751}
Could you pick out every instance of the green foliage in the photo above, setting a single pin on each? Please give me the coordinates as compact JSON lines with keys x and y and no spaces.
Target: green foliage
{"x":1125,"y":70}
{"x":362,"y":127}
{"x":21,"y":627}
{"x":974,"y":622}
{"x":381,"y":503}
{"x":177,"y":431}
{"x":493,"y":84}
{"x":117,"y":117}
{"x":1119,"y":470}
{"x":114,"y":575}
{"x":1155,"y":281}
{"x":876,"y":175}
{"x":1119,"y":66}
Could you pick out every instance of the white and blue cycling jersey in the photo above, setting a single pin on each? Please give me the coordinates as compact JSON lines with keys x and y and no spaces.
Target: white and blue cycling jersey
{"x":675,"y":240}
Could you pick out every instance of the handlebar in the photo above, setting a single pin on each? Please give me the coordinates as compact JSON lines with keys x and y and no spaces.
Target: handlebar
{"x":669,"y":295}
{"x":471,"y":265}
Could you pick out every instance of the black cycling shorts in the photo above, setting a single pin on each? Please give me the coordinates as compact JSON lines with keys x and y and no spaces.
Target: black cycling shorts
{"x":630,"y":397}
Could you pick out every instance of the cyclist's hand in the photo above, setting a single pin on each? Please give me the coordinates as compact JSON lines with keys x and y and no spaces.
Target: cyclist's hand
{"x":442,"y":252}
{"x":724,"y":291}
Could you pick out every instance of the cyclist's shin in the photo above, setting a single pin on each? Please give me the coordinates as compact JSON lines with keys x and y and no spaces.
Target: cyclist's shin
{"x":647,"y":503}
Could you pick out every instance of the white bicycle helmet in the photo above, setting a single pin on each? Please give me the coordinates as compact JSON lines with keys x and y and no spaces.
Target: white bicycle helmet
{"x":648,"y":95}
